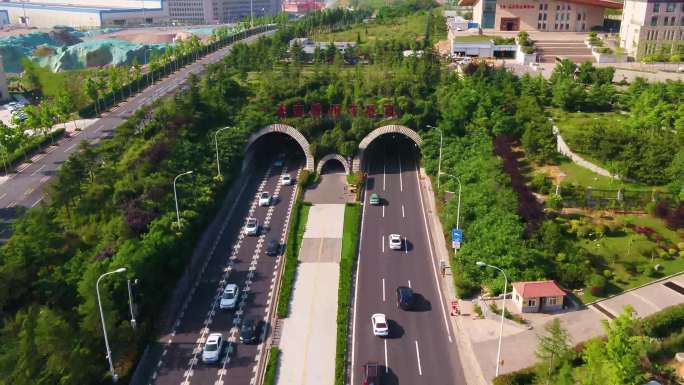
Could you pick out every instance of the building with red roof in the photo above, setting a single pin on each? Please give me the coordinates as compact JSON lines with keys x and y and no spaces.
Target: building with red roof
{"x":540,"y":15}
{"x":538,"y":296}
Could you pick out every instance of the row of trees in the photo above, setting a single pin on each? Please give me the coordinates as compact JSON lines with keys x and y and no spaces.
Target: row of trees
{"x":112,"y":206}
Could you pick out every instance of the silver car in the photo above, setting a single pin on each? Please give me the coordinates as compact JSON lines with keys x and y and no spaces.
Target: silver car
{"x":213,"y":348}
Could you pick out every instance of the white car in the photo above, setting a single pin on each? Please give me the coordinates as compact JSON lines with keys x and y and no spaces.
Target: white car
{"x":230,"y":296}
{"x":265,"y":199}
{"x":213,"y":348}
{"x":380,"y":327}
{"x":252,"y":226}
{"x":395,"y":241}
{"x":285,"y":180}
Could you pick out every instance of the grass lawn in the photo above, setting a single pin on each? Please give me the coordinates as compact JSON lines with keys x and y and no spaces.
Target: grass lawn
{"x":584,"y":177}
{"x":628,"y":248}
{"x":407,"y":27}
{"x":300,"y":215}
{"x":350,"y":242}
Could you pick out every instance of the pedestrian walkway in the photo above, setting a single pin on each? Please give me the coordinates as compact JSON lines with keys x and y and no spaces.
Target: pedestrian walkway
{"x":308,"y":334}
{"x":331,"y":188}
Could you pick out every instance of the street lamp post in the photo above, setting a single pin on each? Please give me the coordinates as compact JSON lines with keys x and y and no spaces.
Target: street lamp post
{"x":503,"y":311}
{"x":115,"y":377}
{"x":251,"y":13}
{"x":130,"y":303}
{"x":439,"y":163}
{"x":458,"y":209}
{"x":175,"y":195}
{"x":218,"y":162}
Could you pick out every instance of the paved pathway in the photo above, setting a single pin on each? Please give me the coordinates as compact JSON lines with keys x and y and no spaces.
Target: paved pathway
{"x":308,"y":337}
{"x":332,"y":188}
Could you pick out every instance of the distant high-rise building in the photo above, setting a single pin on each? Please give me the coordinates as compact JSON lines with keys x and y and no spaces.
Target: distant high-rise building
{"x":219,"y":11}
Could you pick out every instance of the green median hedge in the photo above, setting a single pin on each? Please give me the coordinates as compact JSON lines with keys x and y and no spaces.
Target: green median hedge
{"x":32,"y":144}
{"x":350,"y":245}
{"x":272,"y":366}
{"x":300,"y":214}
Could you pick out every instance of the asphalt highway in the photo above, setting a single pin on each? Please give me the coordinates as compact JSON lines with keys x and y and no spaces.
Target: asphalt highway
{"x":237,"y":259}
{"x":421,"y":347}
{"x":25,"y":187}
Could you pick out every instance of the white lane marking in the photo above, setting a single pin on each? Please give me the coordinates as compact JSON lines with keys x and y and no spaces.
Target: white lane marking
{"x":401,"y":181}
{"x":420,"y":370}
{"x":383,"y":290}
{"x":383,"y":211}
{"x":356,"y":285}
{"x":3,"y":195}
{"x":386,"y":360}
{"x":405,"y":246}
{"x":383,"y":243}
{"x":71,"y":147}
{"x":38,"y":170}
{"x":384,"y":169}
{"x":36,"y":202}
{"x":409,"y":283}
{"x":403,"y":215}
{"x":432,"y":257}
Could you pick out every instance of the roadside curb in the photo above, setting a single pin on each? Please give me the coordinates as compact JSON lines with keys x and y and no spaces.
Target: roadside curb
{"x":471,"y":367}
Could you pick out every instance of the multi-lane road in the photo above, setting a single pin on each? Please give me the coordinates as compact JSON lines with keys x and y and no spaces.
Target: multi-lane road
{"x":421,"y":347}
{"x":238,"y":259}
{"x":24,"y":188}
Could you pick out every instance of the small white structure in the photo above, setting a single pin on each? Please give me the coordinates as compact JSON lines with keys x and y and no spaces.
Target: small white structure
{"x":309,"y":46}
{"x":538,"y":296}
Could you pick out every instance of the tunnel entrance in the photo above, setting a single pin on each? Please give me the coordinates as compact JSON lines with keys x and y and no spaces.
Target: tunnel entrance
{"x":391,"y":153}
{"x":394,"y":131}
{"x":273,"y":146}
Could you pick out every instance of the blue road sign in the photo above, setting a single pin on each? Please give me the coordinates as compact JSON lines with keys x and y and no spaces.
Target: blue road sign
{"x":457,"y":235}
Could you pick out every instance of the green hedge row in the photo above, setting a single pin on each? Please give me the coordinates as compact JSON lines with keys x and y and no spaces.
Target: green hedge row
{"x":350,"y":245}
{"x":272,"y":366}
{"x":31,"y":145}
{"x":665,"y":322}
{"x":300,"y":214}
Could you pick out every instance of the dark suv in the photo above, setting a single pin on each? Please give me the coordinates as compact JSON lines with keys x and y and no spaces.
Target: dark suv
{"x":371,"y":374}
{"x":272,"y":247}
{"x":405,"y":298}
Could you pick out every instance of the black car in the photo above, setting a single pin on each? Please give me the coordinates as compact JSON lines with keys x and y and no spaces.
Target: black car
{"x":248,"y":331}
{"x":405,"y":298}
{"x":272,"y":247}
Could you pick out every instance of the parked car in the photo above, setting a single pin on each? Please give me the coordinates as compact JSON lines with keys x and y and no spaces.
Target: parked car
{"x":285,"y":180}
{"x":230,"y":296}
{"x":405,"y":298}
{"x":380,"y":326}
{"x":395,"y":241}
{"x":374,"y":199}
{"x":248,"y":331}
{"x":213,"y":348}
{"x":371,"y":374}
{"x":252,"y":226}
{"x":272,"y":247}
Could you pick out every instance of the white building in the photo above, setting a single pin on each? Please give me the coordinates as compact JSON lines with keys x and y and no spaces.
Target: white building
{"x":85,"y":13}
{"x":650,"y":27}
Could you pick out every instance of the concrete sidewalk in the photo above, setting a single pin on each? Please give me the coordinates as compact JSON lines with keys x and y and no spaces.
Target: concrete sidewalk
{"x":309,"y":334}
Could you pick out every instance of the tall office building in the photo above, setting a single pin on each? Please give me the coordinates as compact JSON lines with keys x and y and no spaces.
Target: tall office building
{"x":650,"y":27}
{"x":235,"y":10}
{"x":193,"y":11}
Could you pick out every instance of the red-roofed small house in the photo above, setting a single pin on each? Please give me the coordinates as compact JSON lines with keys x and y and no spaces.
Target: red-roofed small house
{"x":538,"y":296}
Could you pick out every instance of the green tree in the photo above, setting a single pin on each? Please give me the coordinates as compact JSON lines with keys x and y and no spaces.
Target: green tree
{"x":553,"y":352}
{"x":93,"y":93}
{"x":617,"y":361}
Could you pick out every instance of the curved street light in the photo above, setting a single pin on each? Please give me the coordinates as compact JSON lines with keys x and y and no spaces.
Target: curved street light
{"x":458,"y":209}
{"x":115,"y":377}
{"x":218,"y":162}
{"x":175,"y":195}
{"x":503,"y":311}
